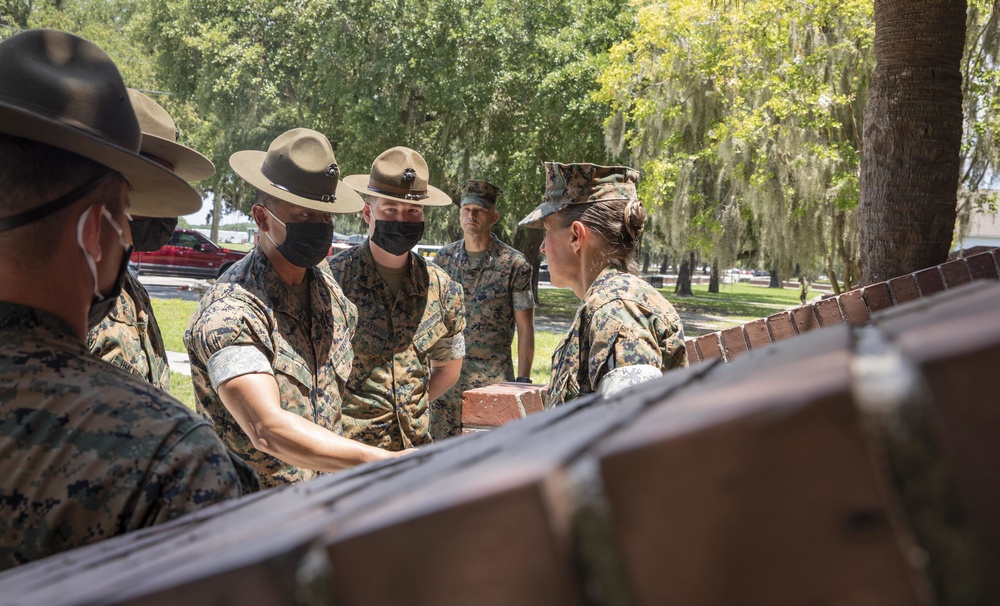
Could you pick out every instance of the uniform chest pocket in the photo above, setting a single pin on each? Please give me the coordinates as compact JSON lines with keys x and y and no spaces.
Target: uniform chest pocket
{"x":565,"y":366}
{"x":429,"y":331}
{"x":294,"y":371}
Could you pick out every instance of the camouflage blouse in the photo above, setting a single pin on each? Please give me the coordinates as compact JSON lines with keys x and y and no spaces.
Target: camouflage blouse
{"x":623,"y":321}
{"x":309,"y":351}
{"x":129,"y":336}
{"x":88,"y":451}
{"x":386,"y":404}
{"x":495,"y":286}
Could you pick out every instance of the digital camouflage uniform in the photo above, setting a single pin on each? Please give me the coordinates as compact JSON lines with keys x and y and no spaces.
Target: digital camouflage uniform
{"x":310,"y":360}
{"x":386,"y":403}
{"x":495,"y":285}
{"x":130,"y":338}
{"x":623,"y":321}
{"x":88,"y":451}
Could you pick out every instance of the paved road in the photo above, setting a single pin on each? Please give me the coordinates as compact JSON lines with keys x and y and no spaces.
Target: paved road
{"x":169,"y":287}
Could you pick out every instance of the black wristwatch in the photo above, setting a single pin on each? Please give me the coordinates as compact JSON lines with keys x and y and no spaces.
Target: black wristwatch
{"x":523,"y":380}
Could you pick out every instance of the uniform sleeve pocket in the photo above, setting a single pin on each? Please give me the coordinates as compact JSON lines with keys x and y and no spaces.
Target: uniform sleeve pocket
{"x":430,"y":330}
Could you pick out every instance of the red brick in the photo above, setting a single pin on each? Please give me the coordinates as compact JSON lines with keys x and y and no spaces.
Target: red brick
{"x":805,"y":318}
{"x":733,"y":342}
{"x":491,"y":543}
{"x":757,"y":333}
{"x":495,"y":405}
{"x":852,"y":304}
{"x":959,"y":372}
{"x":708,"y":346}
{"x":828,"y":312}
{"x":929,"y":281}
{"x":877,"y":296}
{"x":904,"y":289}
{"x":769,"y":479}
{"x":780,"y":326}
{"x":981,"y":266}
{"x":955,"y":273}
{"x":692,"y":351}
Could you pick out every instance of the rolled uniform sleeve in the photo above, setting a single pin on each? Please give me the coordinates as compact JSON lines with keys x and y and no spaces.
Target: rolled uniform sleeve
{"x":193,"y":470}
{"x":521,"y":294}
{"x":231,"y":348}
{"x":617,"y":339}
{"x":452,"y":345}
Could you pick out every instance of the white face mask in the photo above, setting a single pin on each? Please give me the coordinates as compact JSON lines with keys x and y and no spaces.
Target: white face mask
{"x":90,"y":260}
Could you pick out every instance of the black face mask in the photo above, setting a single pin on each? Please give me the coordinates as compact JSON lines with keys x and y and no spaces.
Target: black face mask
{"x":397,"y":237}
{"x":152,"y":233}
{"x":306,"y":244}
{"x":101,"y":303}
{"x":99,"y":308}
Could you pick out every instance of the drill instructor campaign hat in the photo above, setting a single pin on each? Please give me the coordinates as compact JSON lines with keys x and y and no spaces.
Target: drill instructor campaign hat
{"x":581,"y":183}
{"x":61,"y":90}
{"x":399,"y":174}
{"x":298,"y":167}
{"x":159,"y":138}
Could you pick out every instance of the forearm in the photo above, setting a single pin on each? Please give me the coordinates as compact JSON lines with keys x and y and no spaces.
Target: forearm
{"x":524,"y":320}
{"x":444,"y":374}
{"x":254,"y":402}
{"x":302,"y":443}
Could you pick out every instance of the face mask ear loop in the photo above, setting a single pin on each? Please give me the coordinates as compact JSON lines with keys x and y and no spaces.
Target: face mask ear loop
{"x":268,"y":232}
{"x":90,"y":260}
{"x":118,"y":228}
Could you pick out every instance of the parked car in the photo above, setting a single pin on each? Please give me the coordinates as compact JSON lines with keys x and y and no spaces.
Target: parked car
{"x":188,"y":253}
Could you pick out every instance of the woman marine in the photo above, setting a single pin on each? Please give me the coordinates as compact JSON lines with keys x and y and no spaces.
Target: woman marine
{"x":625,"y":332}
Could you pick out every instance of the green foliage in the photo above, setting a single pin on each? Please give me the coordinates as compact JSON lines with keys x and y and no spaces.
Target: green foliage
{"x":182,"y":389}
{"x":746,"y":122}
{"x":173,"y":316}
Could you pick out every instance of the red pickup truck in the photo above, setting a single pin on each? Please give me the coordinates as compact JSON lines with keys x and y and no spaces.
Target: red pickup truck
{"x":188,"y":253}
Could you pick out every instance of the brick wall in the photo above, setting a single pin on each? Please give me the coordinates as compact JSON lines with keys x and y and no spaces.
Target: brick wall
{"x":850,"y":465}
{"x":854,"y":307}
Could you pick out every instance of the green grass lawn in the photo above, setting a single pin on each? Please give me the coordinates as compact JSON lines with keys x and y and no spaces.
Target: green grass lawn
{"x":735,"y":304}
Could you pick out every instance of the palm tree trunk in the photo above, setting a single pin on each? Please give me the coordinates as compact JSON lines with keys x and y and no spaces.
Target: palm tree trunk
{"x":912,"y":137}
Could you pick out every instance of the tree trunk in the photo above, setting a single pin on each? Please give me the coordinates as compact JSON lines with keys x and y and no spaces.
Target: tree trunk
{"x":775,"y":279}
{"x":683,"y":287}
{"x":664,"y":265}
{"x":216,"y":218}
{"x":912,"y":137}
{"x":831,"y":271}
{"x":713,"y":281}
{"x":645,"y":262}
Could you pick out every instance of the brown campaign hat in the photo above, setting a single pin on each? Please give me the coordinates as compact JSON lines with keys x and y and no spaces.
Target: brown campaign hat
{"x":399,"y":174}
{"x":63,"y":91}
{"x":581,"y":183}
{"x":480,"y":193}
{"x":298,"y":167}
{"x":159,"y":138}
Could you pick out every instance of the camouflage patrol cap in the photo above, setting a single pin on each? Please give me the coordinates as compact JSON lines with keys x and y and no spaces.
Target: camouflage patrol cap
{"x":480,"y":193}
{"x":567,"y":184}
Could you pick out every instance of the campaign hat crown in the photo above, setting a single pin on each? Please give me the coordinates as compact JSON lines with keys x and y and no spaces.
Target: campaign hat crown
{"x":159,"y":139}
{"x":63,"y":91}
{"x":300,"y":168}
{"x":400,"y":174}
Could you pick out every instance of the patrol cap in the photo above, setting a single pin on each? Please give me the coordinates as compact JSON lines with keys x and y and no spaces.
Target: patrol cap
{"x":480,"y":193}
{"x":159,"y":138}
{"x":299,"y":168}
{"x":63,"y":91}
{"x":399,"y":174}
{"x":567,"y":184}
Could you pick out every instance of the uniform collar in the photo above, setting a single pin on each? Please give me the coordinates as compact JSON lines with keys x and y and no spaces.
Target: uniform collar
{"x":39,"y":323}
